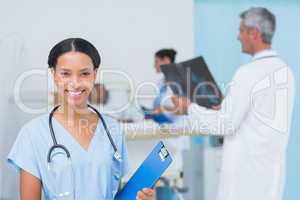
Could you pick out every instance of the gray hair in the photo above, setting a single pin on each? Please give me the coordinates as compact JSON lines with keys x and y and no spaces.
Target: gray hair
{"x":263,"y":20}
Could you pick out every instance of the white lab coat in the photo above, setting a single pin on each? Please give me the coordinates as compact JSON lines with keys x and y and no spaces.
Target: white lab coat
{"x":255,"y":119}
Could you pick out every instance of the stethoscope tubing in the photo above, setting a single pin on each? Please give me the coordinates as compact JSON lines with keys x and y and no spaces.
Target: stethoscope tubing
{"x":60,"y":146}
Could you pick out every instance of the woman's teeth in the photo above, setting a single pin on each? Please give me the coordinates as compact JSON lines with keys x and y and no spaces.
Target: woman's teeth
{"x":75,"y":93}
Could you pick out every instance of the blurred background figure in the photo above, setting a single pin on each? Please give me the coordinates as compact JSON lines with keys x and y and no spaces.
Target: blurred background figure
{"x":163,"y":102}
{"x":99,"y":94}
{"x":163,"y":105}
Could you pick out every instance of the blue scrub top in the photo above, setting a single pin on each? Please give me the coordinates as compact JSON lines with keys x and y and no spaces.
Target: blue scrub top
{"x":92,"y":174}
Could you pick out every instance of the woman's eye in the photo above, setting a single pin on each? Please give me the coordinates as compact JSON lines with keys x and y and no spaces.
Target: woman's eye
{"x":65,"y":73}
{"x":85,"y":73}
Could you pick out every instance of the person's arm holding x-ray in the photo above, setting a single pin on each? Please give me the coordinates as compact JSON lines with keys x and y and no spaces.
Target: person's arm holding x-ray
{"x":224,"y":119}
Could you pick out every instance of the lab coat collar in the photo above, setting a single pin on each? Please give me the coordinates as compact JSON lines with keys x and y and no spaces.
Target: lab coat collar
{"x":265,"y":54}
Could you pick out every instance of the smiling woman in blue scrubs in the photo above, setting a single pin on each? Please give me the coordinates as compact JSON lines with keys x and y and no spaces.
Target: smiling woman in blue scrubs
{"x":92,"y":172}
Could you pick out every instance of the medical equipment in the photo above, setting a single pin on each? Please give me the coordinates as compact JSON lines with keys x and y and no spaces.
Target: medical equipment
{"x":67,"y":168}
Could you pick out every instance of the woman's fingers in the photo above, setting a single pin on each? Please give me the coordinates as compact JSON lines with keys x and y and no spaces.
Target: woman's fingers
{"x":145,"y":194}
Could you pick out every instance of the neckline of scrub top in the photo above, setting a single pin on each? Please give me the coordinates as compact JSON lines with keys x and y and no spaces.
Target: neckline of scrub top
{"x":73,"y":140}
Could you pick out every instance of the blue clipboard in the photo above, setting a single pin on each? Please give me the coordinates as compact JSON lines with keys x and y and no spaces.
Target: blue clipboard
{"x":148,"y":173}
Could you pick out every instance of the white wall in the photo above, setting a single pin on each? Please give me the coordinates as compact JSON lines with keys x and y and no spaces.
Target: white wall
{"x":127,"y":33}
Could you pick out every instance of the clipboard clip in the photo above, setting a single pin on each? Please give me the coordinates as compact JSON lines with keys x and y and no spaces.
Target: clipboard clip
{"x":163,"y":153}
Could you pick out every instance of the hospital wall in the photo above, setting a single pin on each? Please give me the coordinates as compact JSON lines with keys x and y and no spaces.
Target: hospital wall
{"x":127,"y":34}
{"x":216,"y":30}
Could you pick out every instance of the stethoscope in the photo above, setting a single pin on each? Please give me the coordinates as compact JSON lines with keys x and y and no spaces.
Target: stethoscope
{"x":55,"y":145}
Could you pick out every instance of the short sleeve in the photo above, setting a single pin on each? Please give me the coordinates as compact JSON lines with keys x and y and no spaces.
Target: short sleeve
{"x":22,"y":155}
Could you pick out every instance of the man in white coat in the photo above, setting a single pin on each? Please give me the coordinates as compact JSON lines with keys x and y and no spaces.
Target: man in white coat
{"x":254,"y":117}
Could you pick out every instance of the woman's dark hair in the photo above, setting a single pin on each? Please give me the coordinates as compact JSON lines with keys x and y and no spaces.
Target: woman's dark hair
{"x":169,"y":53}
{"x":77,"y":45}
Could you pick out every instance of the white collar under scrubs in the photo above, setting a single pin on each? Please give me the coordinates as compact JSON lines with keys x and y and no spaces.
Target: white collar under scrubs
{"x":92,"y":174}
{"x":267,"y":53}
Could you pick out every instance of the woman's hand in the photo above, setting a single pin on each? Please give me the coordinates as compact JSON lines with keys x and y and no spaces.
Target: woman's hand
{"x":145,"y":194}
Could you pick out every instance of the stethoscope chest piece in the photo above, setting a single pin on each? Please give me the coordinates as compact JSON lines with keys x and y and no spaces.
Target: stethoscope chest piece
{"x":117,"y":156}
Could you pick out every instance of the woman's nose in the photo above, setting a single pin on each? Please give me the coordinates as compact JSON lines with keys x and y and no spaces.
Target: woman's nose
{"x":74,"y":82}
